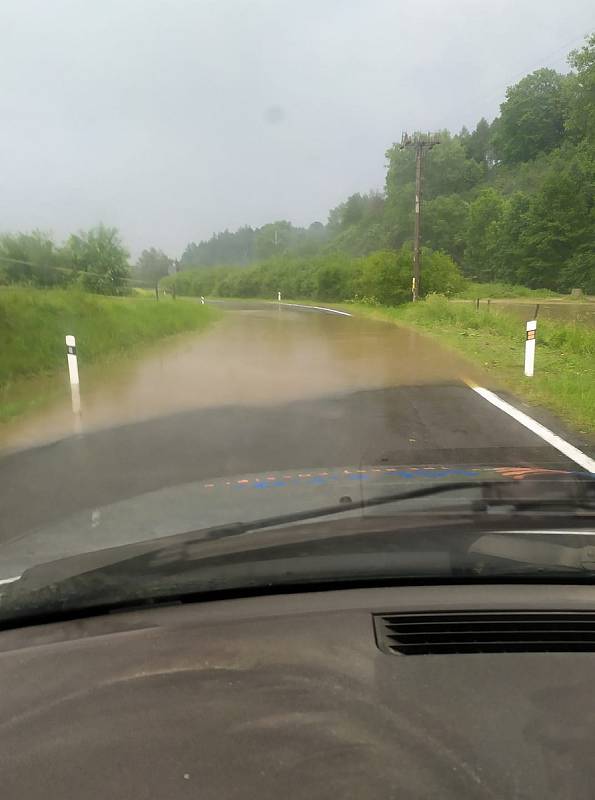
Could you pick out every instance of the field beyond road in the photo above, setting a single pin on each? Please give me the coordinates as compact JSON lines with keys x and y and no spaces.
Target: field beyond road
{"x":34,"y":322}
{"x":564,"y":380}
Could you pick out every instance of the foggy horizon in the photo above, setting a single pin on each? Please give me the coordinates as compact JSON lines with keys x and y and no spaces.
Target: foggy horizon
{"x":174,"y":121}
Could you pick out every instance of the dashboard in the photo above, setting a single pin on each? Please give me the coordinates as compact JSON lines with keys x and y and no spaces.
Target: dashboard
{"x":293,"y":696}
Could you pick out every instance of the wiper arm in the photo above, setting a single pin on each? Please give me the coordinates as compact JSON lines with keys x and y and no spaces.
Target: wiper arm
{"x":492,"y":495}
{"x":236,"y":528}
{"x":162,"y":567}
{"x":178,"y":543}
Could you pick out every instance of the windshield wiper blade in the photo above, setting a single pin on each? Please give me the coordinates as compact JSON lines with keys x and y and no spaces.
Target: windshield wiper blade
{"x":236,"y":528}
{"x":481,"y":504}
{"x":489,"y":494}
{"x":106,"y":558}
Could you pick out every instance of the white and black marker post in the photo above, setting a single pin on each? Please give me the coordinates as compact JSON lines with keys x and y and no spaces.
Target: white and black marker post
{"x":73,"y":371}
{"x":278,"y":297}
{"x":530,"y":348}
{"x":202,"y":300}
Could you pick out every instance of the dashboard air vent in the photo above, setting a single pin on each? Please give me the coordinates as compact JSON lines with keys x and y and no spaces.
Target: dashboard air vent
{"x":485,"y":632}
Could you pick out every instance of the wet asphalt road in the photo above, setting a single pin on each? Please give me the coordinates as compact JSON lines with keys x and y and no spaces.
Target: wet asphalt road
{"x":270,"y":391}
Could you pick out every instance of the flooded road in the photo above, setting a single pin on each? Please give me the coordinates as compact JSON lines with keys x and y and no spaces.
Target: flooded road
{"x":255,"y":355}
{"x":268,"y":392}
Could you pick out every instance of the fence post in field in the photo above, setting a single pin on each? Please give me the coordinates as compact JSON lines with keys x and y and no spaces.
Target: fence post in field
{"x":530,"y":348}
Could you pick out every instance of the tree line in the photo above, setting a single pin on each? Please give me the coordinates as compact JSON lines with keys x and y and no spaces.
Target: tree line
{"x":510,"y":201}
{"x":383,"y":276}
{"x":95,"y":260}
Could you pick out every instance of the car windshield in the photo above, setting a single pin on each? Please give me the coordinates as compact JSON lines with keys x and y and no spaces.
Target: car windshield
{"x":293,"y":294}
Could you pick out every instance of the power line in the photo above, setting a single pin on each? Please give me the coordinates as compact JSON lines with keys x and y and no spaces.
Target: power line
{"x":527,"y":70}
{"x":546,"y":59}
{"x":68,"y":269}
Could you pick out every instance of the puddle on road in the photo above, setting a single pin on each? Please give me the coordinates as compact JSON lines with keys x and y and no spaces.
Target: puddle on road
{"x":255,"y":356}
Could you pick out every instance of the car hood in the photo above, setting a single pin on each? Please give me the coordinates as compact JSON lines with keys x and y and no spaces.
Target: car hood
{"x":178,"y":509}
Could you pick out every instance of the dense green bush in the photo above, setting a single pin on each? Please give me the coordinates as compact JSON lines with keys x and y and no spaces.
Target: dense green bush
{"x":94,"y":260}
{"x":382,"y":277}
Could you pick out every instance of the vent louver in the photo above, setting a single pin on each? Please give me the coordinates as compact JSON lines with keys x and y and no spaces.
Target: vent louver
{"x":485,"y":632}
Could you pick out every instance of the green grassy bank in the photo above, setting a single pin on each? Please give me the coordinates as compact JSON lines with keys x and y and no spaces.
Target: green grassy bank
{"x":33,"y":323}
{"x":564,"y":379}
{"x":508,"y":291}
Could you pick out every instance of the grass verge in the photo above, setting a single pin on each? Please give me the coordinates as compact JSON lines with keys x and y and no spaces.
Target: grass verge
{"x":564,"y":379}
{"x":505,"y":290}
{"x":33,"y":323}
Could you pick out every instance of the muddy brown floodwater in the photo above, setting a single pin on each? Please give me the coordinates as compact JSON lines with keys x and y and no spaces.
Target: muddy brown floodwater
{"x":255,"y":355}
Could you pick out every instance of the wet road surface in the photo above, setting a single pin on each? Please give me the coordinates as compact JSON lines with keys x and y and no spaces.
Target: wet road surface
{"x":266,"y":389}
{"x":255,"y":356}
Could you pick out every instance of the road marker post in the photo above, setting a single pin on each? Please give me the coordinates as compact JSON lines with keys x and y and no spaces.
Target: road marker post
{"x":278,"y":297}
{"x":202,"y":300}
{"x":530,"y":348}
{"x":73,"y":372}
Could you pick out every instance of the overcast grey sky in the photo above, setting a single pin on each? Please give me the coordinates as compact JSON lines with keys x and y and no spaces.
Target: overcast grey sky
{"x":171,"y":119}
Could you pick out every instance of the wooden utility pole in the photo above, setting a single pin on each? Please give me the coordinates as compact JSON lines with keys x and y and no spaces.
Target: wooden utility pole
{"x":422,"y":143}
{"x":419,"y":152}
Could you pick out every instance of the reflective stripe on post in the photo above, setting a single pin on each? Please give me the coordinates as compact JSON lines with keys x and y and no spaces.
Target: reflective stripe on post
{"x":73,"y":372}
{"x":530,"y":348}
{"x":73,"y":368}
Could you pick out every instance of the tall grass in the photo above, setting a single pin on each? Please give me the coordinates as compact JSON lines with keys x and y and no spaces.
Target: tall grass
{"x":33,"y":323}
{"x":497,"y":291}
{"x":564,"y":379}
{"x":570,"y":338}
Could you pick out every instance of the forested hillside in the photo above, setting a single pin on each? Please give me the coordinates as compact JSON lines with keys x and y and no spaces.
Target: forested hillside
{"x":510,"y":201}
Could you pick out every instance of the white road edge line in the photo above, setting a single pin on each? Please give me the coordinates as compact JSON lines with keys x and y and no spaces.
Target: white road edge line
{"x":9,"y":580}
{"x":569,"y":450}
{"x":318,"y":308}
